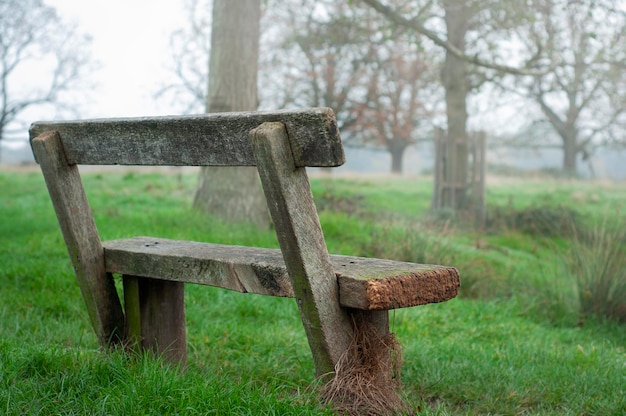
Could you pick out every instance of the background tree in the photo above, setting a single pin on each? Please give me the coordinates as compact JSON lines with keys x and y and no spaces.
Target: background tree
{"x":570,"y":62}
{"x":584,"y":97}
{"x":351,"y":59}
{"x":317,"y":57}
{"x":455,"y":81}
{"x":41,"y":59}
{"x":469,"y":32}
{"x":401,"y":98}
{"x":233,"y":193}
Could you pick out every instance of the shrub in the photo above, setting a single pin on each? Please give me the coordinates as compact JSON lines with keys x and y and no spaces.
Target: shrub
{"x":597,"y":262}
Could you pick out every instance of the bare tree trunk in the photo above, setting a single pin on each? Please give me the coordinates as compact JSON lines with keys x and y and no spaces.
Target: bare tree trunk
{"x":454,"y":80}
{"x":570,"y":151}
{"x":396,"y":150}
{"x":2,"y":125}
{"x":396,"y":162}
{"x":233,"y":193}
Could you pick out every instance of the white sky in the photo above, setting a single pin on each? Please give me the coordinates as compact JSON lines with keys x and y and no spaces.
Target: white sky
{"x":130,"y":41}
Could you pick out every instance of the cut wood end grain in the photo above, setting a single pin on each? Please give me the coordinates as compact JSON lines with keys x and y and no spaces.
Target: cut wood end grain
{"x":402,"y":290}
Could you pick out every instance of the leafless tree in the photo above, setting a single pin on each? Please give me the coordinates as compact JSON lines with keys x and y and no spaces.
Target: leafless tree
{"x":584,"y":97}
{"x":318,"y":57}
{"x":348,"y":57}
{"x":41,"y":59}
{"x":190,"y":50}
{"x":402,"y":97}
{"x":569,"y":59}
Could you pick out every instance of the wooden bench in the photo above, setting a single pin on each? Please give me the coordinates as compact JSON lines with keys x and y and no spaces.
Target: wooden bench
{"x":335,"y":294}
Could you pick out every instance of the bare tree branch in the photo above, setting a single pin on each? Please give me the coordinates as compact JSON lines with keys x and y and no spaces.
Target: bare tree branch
{"x":31,"y":33}
{"x":416,"y":23}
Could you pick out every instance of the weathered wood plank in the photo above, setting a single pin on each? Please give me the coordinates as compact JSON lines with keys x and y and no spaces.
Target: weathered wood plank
{"x":242,"y":269}
{"x":132,"y":313}
{"x":163,"y":326}
{"x":327,"y":325}
{"x":217,"y":139}
{"x":81,"y":237}
{"x":364,"y":283}
{"x":155,"y":318}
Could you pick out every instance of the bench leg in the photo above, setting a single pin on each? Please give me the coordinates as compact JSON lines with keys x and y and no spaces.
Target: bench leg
{"x":155,"y":317}
{"x":372,"y":327}
{"x":367,"y":376}
{"x":378,"y":320}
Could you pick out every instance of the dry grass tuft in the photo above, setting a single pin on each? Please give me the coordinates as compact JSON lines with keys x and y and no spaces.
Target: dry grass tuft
{"x":367,"y":376}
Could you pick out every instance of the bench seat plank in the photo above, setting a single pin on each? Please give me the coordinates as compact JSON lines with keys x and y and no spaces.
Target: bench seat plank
{"x":216,"y":139}
{"x":369,"y":284}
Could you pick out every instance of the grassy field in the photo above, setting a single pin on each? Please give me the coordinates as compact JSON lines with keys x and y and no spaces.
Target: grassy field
{"x":518,"y":339}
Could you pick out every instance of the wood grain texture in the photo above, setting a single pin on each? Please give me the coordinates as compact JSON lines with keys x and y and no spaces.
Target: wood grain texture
{"x":327,"y":325}
{"x":242,"y":269}
{"x":155,"y":318}
{"x":132,"y":313}
{"x":217,"y":139}
{"x":364,"y":283}
{"x":163,"y":326}
{"x":81,"y":237}
{"x":400,"y":288}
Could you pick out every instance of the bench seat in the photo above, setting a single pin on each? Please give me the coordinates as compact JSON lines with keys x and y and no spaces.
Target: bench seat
{"x":364,"y":283}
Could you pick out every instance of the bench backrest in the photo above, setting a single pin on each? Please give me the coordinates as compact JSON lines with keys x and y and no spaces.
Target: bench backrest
{"x":219,"y":139}
{"x":281,"y":144}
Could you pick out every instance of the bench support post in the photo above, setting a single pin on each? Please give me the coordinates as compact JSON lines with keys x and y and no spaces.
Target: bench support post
{"x":329,"y":327}
{"x":81,"y":238}
{"x":155,"y":317}
{"x":351,"y":348}
{"x":287,"y":191}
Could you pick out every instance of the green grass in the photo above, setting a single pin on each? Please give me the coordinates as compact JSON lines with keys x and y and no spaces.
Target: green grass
{"x":512,"y":343}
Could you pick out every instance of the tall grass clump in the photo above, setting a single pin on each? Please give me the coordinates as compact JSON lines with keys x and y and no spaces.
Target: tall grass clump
{"x":537,"y":220}
{"x":597,"y":262}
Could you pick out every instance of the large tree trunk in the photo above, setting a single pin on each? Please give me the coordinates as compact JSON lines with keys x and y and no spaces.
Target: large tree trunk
{"x":396,"y":161}
{"x":396,"y":150}
{"x":568,"y":132}
{"x":233,"y":193}
{"x":454,"y":80}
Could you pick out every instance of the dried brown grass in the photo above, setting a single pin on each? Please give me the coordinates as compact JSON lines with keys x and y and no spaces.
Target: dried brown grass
{"x":367,"y":376}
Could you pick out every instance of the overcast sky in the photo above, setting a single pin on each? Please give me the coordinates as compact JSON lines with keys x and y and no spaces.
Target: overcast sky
{"x":131,"y":44}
